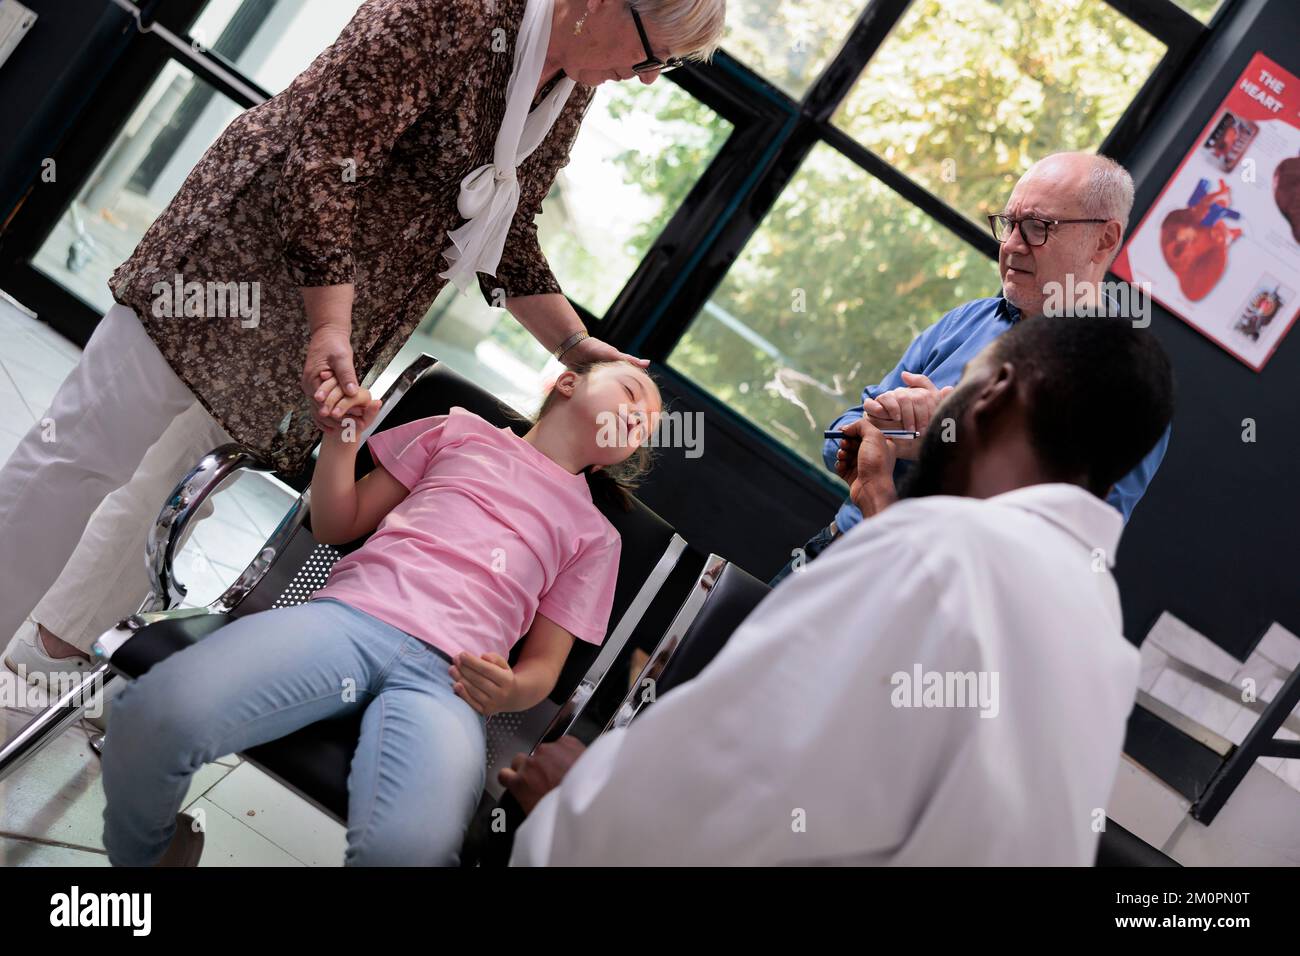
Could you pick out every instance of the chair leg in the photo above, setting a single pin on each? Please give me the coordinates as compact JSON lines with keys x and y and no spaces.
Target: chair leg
{"x":56,"y":718}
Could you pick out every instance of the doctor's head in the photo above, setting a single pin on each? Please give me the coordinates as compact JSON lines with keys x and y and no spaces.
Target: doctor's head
{"x":1075,"y":400}
{"x":598,"y":40}
{"x":1065,"y":218}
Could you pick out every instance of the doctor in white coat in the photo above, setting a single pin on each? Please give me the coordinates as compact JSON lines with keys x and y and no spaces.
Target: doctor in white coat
{"x":948,"y":684}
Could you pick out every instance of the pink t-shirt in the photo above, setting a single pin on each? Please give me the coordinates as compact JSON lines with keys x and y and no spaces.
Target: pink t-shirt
{"x":491,"y":533}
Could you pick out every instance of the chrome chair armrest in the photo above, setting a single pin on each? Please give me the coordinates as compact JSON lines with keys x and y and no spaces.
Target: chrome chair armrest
{"x":257,"y":568}
{"x":107,"y":644}
{"x":204,"y":478}
{"x":509,"y":734}
{"x":573,"y":708}
{"x":643,"y":689}
{"x":177,"y":512}
{"x":402,"y":384}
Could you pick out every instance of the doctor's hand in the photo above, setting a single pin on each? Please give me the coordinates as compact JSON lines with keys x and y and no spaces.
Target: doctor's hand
{"x":866,"y":461}
{"x":594,"y":350}
{"x":529,"y":778}
{"x":329,"y":356}
{"x":911,"y":407}
{"x":486,"y":683}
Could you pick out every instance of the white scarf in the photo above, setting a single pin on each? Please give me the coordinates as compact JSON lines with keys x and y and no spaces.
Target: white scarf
{"x":489,"y":195}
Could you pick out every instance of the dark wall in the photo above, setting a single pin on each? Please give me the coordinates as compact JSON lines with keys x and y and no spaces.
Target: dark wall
{"x":741,"y":499}
{"x":1216,"y":539}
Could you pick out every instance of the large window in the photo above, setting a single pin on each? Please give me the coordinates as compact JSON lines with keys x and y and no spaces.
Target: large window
{"x":640,"y":150}
{"x":1201,"y":9}
{"x":788,"y":43}
{"x":840,"y":278}
{"x":936,"y":107}
{"x":775,"y":227}
{"x":175,"y":123}
{"x":271,"y":43}
{"x":171,"y":128}
{"x":965,"y":94}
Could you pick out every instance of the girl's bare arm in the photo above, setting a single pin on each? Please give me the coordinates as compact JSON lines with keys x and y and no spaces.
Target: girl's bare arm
{"x":546,"y":648}
{"x":490,"y":685}
{"x":342,"y":508}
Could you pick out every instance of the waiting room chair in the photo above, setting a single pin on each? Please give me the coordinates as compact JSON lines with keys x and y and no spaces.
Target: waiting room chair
{"x":720,"y":598}
{"x":314,"y":761}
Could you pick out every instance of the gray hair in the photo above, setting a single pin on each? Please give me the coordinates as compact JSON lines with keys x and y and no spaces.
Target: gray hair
{"x":1109,"y":193}
{"x":689,"y":28}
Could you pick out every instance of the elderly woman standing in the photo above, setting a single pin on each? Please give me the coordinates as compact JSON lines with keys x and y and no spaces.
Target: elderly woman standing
{"x":414,"y":151}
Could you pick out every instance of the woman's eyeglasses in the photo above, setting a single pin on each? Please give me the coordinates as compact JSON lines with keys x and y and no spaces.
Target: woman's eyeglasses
{"x":651,"y":63}
{"x":1032,"y":229}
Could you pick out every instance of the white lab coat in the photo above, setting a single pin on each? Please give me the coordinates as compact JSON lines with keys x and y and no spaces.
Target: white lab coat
{"x":789,"y":749}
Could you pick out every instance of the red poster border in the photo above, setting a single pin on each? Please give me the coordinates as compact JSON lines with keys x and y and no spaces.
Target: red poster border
{"x":1121,"y":266}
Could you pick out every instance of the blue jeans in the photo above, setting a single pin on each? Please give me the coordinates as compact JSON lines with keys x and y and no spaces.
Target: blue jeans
{"x":418,"y":770}
{"x":812,"y":547}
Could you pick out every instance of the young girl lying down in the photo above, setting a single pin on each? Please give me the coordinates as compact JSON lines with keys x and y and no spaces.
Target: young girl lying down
{"x":481,"y":537}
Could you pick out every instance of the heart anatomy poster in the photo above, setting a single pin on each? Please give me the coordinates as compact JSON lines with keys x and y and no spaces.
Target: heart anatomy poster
{"x":1221,"y":246}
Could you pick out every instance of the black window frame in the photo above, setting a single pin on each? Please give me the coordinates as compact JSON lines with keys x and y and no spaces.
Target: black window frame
{"x":652,"y":327}
{"x":772,"y":134}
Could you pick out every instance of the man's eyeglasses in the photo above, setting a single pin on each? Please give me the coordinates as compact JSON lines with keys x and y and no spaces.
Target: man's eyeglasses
{"x":1032,"y":229}
{"x":652,"y":63}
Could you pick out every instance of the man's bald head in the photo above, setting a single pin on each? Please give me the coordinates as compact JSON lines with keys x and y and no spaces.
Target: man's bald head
{"x":1059,"y":187}
{"x":1102,"y":188}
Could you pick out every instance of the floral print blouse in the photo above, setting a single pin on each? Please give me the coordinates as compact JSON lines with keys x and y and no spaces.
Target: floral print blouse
{"x":351,"y":174}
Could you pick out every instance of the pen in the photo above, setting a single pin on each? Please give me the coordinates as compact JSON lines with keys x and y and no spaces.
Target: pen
{"x":887,"y":432}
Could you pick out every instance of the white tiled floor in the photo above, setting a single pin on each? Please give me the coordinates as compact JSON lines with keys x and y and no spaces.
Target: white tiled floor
{"x":51,"y":809}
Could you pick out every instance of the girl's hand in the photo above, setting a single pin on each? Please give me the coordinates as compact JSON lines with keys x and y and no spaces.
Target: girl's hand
{"x":361,"y":406}
{"x":486,"y":683}
{"x":329,"y":355}
{"x":330,"y":409}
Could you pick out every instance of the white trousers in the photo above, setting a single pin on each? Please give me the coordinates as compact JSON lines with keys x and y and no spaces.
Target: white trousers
{"x":84,"y":486}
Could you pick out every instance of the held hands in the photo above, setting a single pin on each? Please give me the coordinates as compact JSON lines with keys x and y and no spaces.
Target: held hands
{"x":360,"y":407}
{"x":910,"y":406}
{"x":866,"y":461}
{"x":485,"y":683}
{"x":329,"y":356}
{"x":530,"y":778}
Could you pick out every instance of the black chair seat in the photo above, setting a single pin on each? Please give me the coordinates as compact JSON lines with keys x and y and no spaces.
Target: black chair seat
{"x":734,"y":595}
{"x":162,"y":639}
{"x":314,"y":760}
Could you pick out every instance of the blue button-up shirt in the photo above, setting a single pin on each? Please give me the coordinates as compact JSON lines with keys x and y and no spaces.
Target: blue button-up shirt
{"x":940,"y":353}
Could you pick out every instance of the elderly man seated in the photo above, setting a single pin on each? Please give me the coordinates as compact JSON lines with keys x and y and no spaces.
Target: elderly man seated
{"x":1060,"y":231}
{"x":949,"y":684}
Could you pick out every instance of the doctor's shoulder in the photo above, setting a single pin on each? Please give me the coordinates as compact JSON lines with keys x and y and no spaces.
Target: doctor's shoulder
{"x":943,"y":535}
